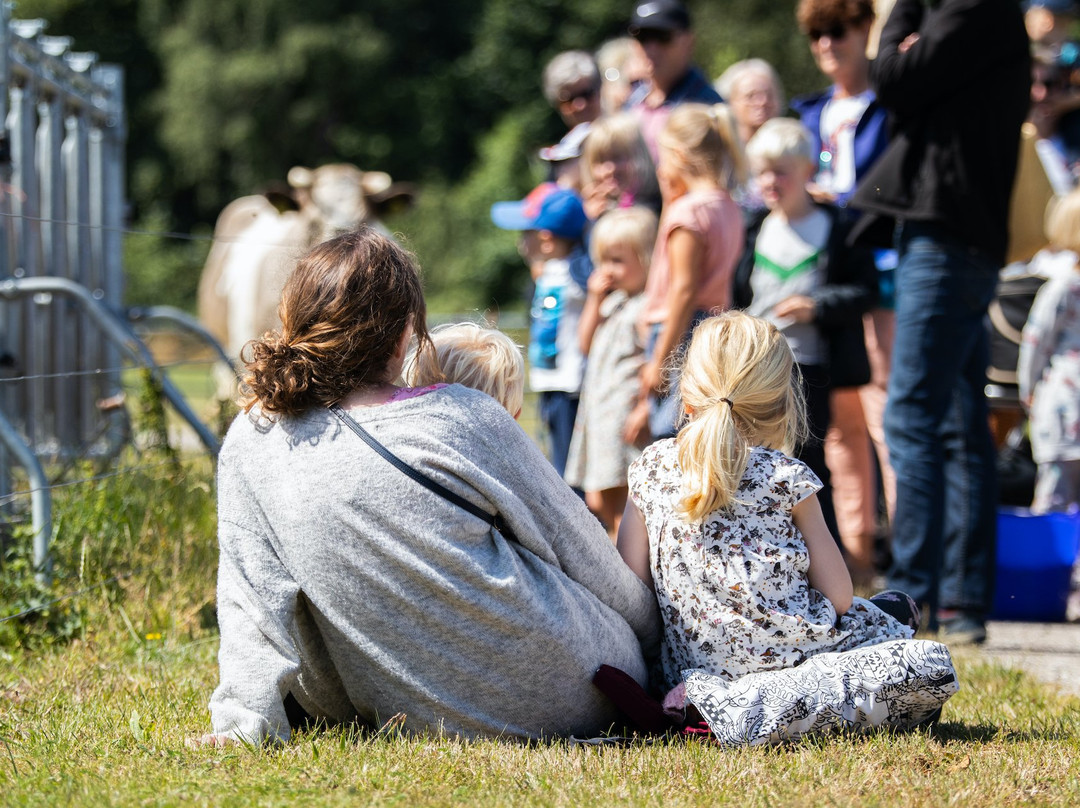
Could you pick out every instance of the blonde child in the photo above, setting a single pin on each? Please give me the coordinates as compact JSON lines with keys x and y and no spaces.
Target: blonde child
{"x":799,"y":273}
{"x":700,"y":241}
{"x":616,"y":169}
{"x":1048,"y":374}
{"x":484,"y":359}
{"x":726,"y":525}
{"x":605,"y":439}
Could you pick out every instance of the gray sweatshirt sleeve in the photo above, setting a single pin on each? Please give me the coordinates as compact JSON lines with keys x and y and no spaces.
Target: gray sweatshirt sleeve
{"x":258,"y":658}
{"x":551,"y":521}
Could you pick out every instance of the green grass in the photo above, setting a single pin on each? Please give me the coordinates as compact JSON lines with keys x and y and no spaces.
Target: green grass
{"x":100,"y":693}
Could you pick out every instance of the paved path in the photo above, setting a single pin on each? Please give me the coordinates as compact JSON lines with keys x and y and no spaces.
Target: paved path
{"x":1048,"y":651}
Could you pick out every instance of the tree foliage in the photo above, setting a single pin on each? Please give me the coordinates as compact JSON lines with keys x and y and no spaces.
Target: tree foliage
{"x":224,"y":96}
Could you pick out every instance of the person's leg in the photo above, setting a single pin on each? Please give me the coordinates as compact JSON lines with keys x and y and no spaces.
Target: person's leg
{"x":608,"y":505}
{"x":847,"y":454}
{"x":665,"y":411}
{"x":1056,"y":486}
{"x":880,"y":327}
{"x":812,"y":452}
{"x":558,"y":410}
{"x":939,"y":309}
{"x":971,"y":492}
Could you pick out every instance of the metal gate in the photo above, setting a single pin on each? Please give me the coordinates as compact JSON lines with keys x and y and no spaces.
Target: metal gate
{"x":61,"y":215}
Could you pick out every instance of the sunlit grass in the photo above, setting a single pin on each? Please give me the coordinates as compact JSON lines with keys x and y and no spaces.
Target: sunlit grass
{"x":103,"y":714}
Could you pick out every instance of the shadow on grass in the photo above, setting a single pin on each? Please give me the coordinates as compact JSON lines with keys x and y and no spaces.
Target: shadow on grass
{"x":956,"y":731}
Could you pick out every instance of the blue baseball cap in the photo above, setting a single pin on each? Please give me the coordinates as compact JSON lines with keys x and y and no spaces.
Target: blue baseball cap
{"x":1056,"y":6}
{"x":547,"y":207}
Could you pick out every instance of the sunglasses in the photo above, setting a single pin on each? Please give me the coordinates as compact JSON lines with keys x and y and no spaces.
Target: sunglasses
{"x":584,"y":94}
{"x":657,"y":35}
{"x":836,"y":32}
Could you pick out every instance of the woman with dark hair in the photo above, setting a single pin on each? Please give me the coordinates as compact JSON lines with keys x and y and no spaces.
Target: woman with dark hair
{"x":847,"y":123}
{"x":850,"y":132}
{"x":349,"y":591}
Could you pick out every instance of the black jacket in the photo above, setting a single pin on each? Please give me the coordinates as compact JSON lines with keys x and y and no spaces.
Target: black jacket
{"x":957,"y":99}
{"x":849,"y":291}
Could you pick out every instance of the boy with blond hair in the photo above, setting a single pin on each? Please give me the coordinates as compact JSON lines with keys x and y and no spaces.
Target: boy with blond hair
{"x":798,"y":273}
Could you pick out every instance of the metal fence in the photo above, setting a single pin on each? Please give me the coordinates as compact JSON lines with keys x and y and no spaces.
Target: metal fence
{"x":61,"y":213}
{"x":62,"y":208}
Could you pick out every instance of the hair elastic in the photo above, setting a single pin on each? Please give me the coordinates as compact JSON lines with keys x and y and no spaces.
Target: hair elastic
{"x":728,"y":402}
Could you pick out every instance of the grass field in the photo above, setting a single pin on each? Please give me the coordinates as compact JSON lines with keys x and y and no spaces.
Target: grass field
{"x":105,"y":677}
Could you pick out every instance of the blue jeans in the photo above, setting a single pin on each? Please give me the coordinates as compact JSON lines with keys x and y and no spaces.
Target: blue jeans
{"x":558,"y":411}
{"x":665,"y":410}
{"x":936,"y":427}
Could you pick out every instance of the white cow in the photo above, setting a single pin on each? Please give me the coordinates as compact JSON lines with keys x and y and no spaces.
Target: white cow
{"x":256,"y":244}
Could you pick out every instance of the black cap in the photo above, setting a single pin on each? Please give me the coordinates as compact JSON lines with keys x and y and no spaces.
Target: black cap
{"x":659,"y":15}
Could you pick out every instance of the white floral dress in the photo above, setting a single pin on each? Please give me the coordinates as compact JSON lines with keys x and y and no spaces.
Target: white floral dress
{"x":733,"y":590}
{"x":598,"y":455}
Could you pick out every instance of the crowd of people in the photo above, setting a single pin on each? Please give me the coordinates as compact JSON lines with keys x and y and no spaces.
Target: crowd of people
{"x":755,"y":338}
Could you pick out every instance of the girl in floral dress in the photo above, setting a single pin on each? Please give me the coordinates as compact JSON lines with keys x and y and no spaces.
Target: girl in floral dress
{"x":726,"y":526}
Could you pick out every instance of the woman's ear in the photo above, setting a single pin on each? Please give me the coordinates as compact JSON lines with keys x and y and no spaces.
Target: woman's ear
{"x":403,"y":343}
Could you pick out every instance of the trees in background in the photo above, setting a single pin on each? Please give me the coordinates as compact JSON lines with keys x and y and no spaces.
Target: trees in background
{"x":224,"y":96}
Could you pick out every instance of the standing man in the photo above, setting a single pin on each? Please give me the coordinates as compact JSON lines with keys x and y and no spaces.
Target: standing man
{"x":955,"y":75}
{"x":662,"y":28}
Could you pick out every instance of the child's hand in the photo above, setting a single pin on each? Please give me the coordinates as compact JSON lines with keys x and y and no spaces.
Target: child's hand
{"x":651,"y":378}
{"x":909,"y":40}
{"x":797,"y":308}
{"x":819,"y":194}
{"x":600,"y":283}
{"x":215,"y":739}
{"x":636,"y":429}
{"x":599,"y":197}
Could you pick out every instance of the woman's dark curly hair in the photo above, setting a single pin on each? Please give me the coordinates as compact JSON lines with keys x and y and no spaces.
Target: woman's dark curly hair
{"x":822,"y":15}
{"x":343,"y":312}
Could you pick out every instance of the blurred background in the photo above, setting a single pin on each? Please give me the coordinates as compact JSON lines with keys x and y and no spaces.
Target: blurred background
{"x":225,"y":96}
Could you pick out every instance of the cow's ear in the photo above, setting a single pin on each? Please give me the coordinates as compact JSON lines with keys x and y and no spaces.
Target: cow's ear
{"x":300,"y":177}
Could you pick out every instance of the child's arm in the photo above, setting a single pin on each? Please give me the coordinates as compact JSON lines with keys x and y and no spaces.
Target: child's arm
{"x":636,"y":427}
{"x":686,"y":251}
{"x":598,"y":288}
{"x":633,"y":542}
{"x":828,"y":574}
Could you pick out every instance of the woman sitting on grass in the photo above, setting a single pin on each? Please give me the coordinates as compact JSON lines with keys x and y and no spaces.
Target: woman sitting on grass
{"x":348,"y":591}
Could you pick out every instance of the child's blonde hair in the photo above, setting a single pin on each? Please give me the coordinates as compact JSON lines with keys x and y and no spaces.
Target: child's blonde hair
{"x":634,"y":226}
{"x":779,"y":138}
{"x":703,"y":143}
{"x":1063,"y":221}
{"x":741,"y":385}
{"x":485,"y":359}
{"x":618,"y":137}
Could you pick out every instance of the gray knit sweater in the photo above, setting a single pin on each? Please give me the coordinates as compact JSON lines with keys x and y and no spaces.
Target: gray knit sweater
{"x":349,"y":585}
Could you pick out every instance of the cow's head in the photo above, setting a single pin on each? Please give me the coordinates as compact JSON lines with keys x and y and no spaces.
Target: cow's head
{"x":340,"y":197}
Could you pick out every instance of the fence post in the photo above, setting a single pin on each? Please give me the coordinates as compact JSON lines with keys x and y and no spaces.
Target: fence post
{"x":7,"y":224}
{"x":40,"y":499}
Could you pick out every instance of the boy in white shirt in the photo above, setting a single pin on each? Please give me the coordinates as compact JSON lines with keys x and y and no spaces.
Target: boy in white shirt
{"x":798,"y":273}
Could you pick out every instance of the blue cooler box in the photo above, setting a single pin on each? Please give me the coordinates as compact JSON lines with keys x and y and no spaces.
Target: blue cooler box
{"x":1035,"y":556}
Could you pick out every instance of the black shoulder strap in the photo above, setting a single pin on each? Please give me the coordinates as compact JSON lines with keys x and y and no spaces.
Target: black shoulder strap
{"x":495,"y":520}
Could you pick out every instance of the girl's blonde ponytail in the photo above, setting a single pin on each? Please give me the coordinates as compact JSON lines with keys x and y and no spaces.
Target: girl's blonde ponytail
{"x":740,"y":385}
